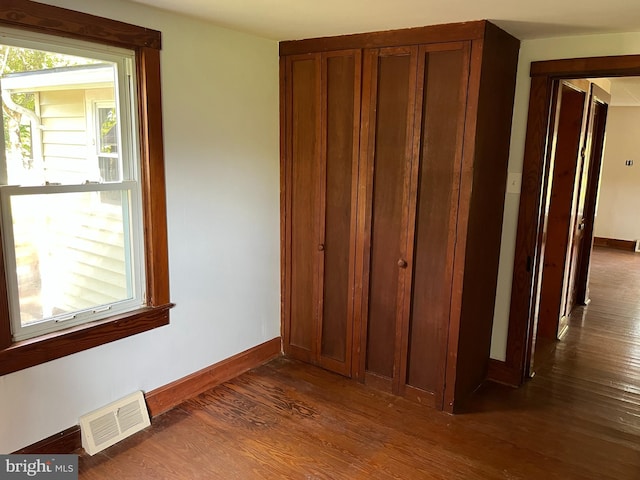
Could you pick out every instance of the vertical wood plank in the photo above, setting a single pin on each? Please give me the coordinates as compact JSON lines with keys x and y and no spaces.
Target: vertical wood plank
{"x":153,"y":177}
{"x":441,"y":130}
{"x":364,"y":215}
{"x":563,"y":192}
{"x":342,"y":87}
{"x":305,"y":116}
{"x":394,"y":84}
{"x":285,"y":213}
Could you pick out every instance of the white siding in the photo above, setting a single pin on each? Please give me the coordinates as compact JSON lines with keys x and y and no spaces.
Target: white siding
{"x":87,"y":244}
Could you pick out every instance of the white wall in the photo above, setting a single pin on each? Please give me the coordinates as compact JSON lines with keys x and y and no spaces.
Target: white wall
{"x":534,"y":50}
{"x":618,"y":213}
{"x":220,"y":100}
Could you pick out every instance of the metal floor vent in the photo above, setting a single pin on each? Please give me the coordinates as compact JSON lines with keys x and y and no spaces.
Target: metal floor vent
{"x":114,"y":422}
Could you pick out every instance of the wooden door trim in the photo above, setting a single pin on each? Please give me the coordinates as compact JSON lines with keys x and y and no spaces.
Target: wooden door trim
{"x":527,"y":261}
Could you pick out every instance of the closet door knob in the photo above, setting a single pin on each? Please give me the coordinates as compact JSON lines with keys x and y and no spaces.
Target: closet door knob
{"x":321,"y":247}
{"x":402,"y":263}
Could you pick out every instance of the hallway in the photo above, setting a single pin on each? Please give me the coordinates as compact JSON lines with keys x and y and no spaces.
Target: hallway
{"x":583,"y":404}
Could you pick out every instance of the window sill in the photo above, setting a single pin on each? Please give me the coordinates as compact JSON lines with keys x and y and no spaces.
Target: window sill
{"x":35,"y":351}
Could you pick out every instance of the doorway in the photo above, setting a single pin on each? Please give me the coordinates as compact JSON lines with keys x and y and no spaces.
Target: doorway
{"x":535,"y":203}
{"x":581,"y":108}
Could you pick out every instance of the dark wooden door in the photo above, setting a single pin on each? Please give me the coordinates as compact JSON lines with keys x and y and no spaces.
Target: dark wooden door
{"x":389,"y":88}
{"x":339,"y":180}
{"x":414,"y":105}
{"x":302,"y":170}
{"x":600,"y":105}
{"x":564,"y":172}
{"x":443,"y":72}
{"x":322,"y":105}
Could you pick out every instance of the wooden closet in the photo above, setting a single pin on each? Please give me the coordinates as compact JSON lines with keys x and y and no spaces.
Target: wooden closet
{"x":394,"y":153}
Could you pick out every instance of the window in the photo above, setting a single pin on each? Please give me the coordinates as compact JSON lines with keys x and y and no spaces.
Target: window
{"x":84,"y":250}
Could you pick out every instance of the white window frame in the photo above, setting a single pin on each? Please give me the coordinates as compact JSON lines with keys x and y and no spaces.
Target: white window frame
{"x":126,"y":101}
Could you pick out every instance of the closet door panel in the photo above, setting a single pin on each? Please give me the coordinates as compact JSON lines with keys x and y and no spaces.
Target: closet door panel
{"x":304,"y":108}
{"x":394,"y":77}
{"x":444,"y":75}
{"x":342,"y":80}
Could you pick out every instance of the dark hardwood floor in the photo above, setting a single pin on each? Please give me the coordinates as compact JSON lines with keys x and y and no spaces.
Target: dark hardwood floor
{"x":578,"y":418}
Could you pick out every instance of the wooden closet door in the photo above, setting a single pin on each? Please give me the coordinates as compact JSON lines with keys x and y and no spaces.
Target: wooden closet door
{"x":341,"y":121}
{"x":322,"y":109}
{"x":443,"y":72}
{"x":303,"y":175}
{"x":389,"y":81}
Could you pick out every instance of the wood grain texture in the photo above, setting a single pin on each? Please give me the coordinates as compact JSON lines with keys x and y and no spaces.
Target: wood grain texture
{"x":27,"y":15}
{"x":600,"y":100}
{"x":589,"y":67}
{"x":576,"y":419}
{"x":45,"y":348}
{"x":364,"y":211}
{"x":390,"y":159}
{"x":582,"y":227}
{"x":305,"y":159}
{"x":406,"y":215}
{"x":628,"y":245}
{"x":168,"y":396}
{"x":526,"y":266}
{"x":562,"y":206}
{"x":496,"y":89}
{"x":153,"y":177}
{"x":529,"y":236}
{"x":342,"y":89}
{"x":65,"y":442}
{"x":451,"y":32}
{"x":38,"y":17}
{"x":285,"y":212}
{"x":499,"y":372}
{"x":321,"y":149}
{"x":444,"y":76}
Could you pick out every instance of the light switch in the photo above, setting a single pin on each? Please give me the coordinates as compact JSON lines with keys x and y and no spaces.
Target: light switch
{"x":628,"y":163}
{"x":514,"y":183}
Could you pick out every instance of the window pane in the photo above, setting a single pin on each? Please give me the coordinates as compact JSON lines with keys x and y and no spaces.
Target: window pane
{"x":107,"y":131}
{"x":72,"y":252}
{"x":59,"y":116}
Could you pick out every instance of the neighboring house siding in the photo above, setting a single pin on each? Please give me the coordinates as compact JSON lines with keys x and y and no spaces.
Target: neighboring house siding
{"x":95,"y":259}
{"x":64,"y":137}
{"x":88,"y":240}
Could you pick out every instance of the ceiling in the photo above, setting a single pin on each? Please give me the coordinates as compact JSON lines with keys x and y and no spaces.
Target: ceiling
{"x":625,"y":92}
{"x":295,"y":19}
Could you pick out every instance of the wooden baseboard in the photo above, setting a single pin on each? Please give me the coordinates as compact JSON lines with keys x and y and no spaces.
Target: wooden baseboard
{"x":165,"y":398}
{"x":628,"y":245}
{"x":500,"y":372}
{"x":65,"y":442}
